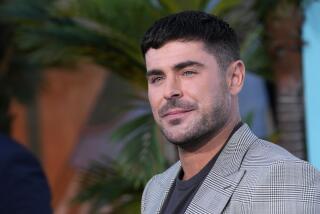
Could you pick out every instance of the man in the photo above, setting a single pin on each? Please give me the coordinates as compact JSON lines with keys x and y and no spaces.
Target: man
{"x":194,"y":76}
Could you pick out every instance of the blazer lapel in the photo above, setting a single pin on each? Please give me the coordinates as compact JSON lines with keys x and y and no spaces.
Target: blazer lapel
{"x":163,"y":188}
{"x":218,"y":187}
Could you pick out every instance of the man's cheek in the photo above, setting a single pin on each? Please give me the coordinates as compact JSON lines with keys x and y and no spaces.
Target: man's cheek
{"x":155,"y":113}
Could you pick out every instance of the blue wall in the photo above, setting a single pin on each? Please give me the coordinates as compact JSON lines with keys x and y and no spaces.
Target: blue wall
{"x":311,"y":72}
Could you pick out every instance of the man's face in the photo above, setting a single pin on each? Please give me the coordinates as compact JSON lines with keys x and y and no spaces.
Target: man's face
{"x":187,"y":91}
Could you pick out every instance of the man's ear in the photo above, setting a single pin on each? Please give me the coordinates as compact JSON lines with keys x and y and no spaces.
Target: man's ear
{"x":235,"y":76}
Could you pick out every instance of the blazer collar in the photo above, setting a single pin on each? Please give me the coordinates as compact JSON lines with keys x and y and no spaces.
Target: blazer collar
{"x":216,"y":190}
{"x":219,"y":185}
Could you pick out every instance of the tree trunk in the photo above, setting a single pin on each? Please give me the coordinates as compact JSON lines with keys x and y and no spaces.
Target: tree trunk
{"x":283,"y":26}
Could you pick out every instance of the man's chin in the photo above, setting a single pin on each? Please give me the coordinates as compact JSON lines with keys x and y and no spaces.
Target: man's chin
{"x":175,"y":140}
{"x":174,"y":137}
{"x":188,"y":139}
{"x":181,"y":143}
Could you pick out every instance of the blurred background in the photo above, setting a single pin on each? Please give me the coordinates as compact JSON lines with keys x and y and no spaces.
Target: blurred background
{"x":77,"y":90}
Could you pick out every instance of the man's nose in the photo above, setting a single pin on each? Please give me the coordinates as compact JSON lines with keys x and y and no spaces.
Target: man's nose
{"x":172,"y":89}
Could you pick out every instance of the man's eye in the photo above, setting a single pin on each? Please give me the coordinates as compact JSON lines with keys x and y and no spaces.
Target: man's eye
{"x":155,"y":79}
{"x":189,"y":73}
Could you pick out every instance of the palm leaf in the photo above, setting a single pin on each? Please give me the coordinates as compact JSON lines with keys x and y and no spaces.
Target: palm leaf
{"x":254,"y":54}
{"x":141,"y":157}
{"x":103,"y":184}
{"x":51,"y":38}
{"x":173,"y":6}
{"x":222,"y":7}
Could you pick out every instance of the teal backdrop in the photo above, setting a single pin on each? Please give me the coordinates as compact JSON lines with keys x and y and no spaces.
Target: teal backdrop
{"x":311,"y":72}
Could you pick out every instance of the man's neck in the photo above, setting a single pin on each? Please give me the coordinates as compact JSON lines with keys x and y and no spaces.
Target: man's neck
{"x":193,"y":161}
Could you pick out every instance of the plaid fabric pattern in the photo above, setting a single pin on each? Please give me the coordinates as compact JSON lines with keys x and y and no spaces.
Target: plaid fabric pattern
{"x":250,"y":176}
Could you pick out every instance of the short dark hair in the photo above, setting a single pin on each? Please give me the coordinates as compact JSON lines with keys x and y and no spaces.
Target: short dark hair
{"x":219,"y":38}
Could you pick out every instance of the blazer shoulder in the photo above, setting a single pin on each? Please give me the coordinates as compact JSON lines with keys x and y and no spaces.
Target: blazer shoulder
{"x":275,"y":165}
{"x":264,"y":153}
{"x":279,"y":169}
{"x":276,"y":178}
{"x":295,"y":172}
{"x":296,"y":180}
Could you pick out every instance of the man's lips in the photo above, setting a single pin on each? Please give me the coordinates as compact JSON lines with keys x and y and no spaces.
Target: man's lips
{"x":176,"y":112}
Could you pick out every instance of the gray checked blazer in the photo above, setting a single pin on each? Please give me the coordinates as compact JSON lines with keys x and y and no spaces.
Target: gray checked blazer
{"x":250,"y":176}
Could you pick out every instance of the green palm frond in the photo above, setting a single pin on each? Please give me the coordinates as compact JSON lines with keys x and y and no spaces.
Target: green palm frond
{"x":103,"y":185}
{"x":173,"y":6}
{"x":119,"y":183}
{"x":254,"y":54}
{"x":23,"y":11}
{"x":61,"y":35}
{"x":142,"y":156}
{"x":131,"y":17}
{"x":222,"y":7}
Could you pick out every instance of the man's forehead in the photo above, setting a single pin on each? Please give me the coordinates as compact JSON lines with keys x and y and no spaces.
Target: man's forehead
{"x":175,"y":52}
{"x":177,"y":46}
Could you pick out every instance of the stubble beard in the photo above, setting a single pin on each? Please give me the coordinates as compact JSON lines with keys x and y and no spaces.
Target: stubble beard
{"x":201,"y":129}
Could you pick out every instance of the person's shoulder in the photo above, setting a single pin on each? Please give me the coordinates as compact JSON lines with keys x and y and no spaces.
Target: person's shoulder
{"x":9,"y":144}
{"x":274,"y":162}
{"x":263,"y":153}
{"x":274,"y":173}
{"x":6,"y":142}
{"x":21,"y":175}
{"x":10,"y":150}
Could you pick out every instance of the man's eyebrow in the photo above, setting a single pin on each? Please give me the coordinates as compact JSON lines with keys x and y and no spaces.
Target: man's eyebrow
{"x":154,"y":72}
{"x":176,"y":67}
{"x":188,"y":63}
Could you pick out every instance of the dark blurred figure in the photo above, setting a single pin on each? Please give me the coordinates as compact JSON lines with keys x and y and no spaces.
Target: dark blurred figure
{"x":23,"y":185}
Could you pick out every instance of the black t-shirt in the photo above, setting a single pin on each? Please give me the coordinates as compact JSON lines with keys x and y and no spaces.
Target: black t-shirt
{"x":182,"y":192}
